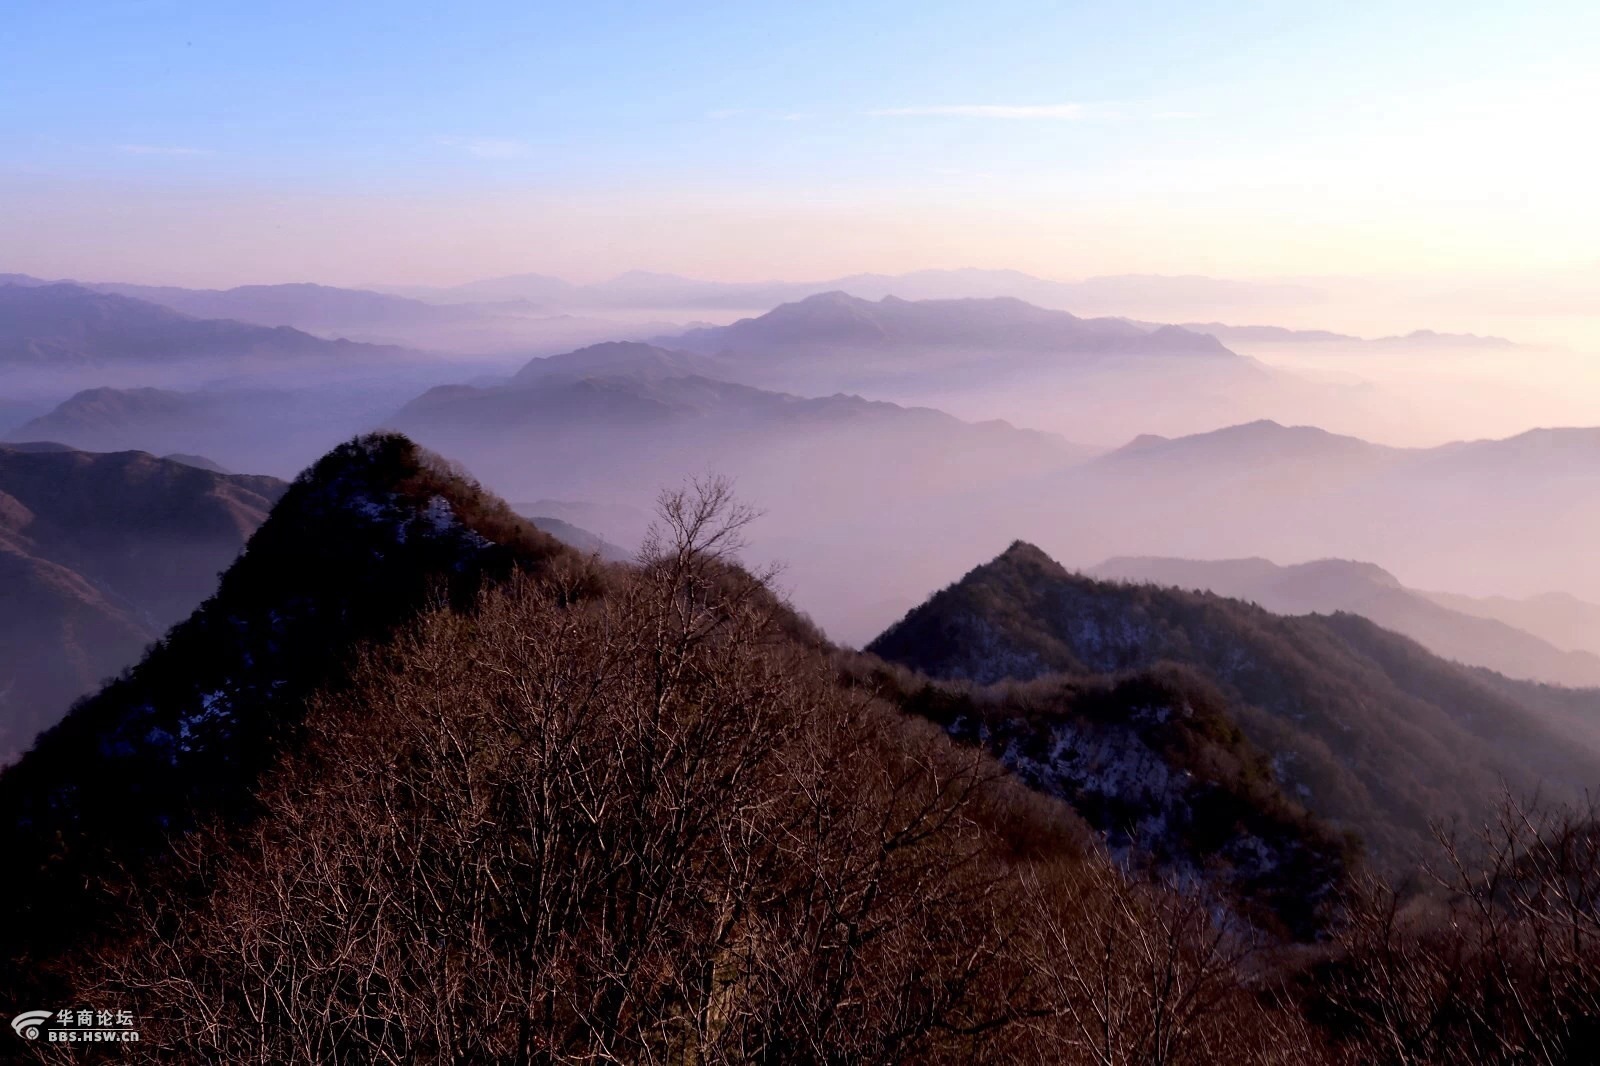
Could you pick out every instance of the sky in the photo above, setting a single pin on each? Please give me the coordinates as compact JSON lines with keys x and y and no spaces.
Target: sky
{"x":427,"y":143}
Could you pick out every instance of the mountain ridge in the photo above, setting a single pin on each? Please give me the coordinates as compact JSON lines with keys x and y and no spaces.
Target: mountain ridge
{"x":1364,"y":726}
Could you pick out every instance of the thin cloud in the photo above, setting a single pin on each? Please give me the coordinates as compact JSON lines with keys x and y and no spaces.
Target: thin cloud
{"x":1002,"y":111}
{"x":489,"y":147}
{"x":161,"y":149}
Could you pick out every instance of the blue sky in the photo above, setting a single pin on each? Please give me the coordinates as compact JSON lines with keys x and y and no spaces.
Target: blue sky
{"x":707,"y":132}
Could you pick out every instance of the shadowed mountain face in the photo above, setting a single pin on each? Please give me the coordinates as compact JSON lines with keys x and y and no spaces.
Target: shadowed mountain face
{"x":1330,"y":585}
{"x":103,"y":553}
{"x":1361,"y":725}
{"x":68,"y":325}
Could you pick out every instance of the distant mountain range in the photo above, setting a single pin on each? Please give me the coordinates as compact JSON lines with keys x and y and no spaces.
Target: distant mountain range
{"x":835,"y":320}
{"x":102,"y":552}
{"x":370,"y":317}
{"x":64,"y":326}
{"x":979,"y":350}
{"x":536,"y":310}
{"x":1364,"y":727}
{"x":238,"y":425}
{"x":643,"y":289}
{"x":1416,"y":339}
{"x":1327,"y":586}
{"x":631,"y":416}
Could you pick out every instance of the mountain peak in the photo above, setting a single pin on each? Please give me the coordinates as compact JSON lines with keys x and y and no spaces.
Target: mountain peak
{"x":1022,"y":553}
{"x":360,"y":541}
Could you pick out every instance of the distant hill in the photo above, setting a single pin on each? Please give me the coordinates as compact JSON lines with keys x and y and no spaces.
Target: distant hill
{"x":103,"y":552}
{"x":837,"y":319}
{"x":1329,"y":585}
{"x":111,"y":419}
{"x":62,"y":325}
{"x":1363,"y":726}
{"x":630,"y":358}
{"x":1253,"y":445}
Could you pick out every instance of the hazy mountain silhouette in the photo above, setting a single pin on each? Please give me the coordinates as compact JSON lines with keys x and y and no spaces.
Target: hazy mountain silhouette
{"x":1485,"y":516}
{"x":632,"y":417}
{"x":62,"y":325}
{"x":640,"y":289}
{"x":1560,"y":618}
{"x":994,"y":357}
{"x":236,"y":423}
{"x":1329,"y":585}
{"x":314,"y":308}
{"x":464,"y":324}
{"x":579,"y":538}
{"x":1251,"y":446}
{"x":103,"y":552}
{"x":1362,"y":725}
{"x":1418,"y":339}
{"x":629,"y":358}
{"x":839,"y":320}
{"x":107,"y":419}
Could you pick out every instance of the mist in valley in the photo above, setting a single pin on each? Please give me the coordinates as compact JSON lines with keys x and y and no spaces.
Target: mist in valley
{"x":894,"y":443}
